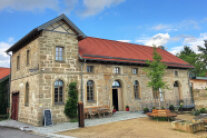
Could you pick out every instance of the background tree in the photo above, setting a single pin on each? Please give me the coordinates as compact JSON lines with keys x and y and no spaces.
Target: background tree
{"x":155,"y":73}
{"x":203,"y":54}
{"x":188,"y":55}
{"x":71,"y":106}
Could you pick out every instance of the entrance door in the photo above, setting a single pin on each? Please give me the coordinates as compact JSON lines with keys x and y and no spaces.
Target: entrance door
{"x":115,"y":99}
{"x":15,"y":105}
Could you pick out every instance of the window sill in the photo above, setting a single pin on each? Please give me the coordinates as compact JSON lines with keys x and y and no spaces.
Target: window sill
{"x":59,"y":103}
{"x":91,"y":101}
{"x":60,"y":61}
{"x":137,"y":98}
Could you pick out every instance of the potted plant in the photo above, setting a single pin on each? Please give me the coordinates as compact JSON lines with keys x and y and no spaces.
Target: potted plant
{"x":127,"y":108}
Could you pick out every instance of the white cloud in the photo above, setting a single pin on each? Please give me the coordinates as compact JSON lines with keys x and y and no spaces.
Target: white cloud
{"x":93,"y":7}
{"x":29,"y":5}
{"x":4,"y":58}
{"x":192,"y":42}
{"x":165,"y":27}
{"x":127,"y":41}
{"x":159,"y":39}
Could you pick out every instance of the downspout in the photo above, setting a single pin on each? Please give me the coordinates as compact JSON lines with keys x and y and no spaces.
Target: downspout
{"x":191,"y":90}
{"x":81,"y":75}
{"x":9,"y":82}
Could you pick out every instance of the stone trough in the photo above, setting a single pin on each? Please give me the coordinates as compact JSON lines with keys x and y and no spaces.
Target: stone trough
{"x":189,"y":126}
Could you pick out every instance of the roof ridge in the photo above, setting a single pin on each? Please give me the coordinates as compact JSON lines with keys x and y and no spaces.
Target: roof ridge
{"x":122,"y":42}
{"x":4,"y":68}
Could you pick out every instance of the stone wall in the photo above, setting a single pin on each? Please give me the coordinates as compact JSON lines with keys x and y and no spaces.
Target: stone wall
{"x":52,"y":70}
{"x":200,"y":98}
{"x":29,"y":114}
{"x":103,"y":78}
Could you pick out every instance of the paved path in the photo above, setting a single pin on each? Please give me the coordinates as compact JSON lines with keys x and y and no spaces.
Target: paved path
{"x":50,"y":131}
{"x":15,"y":133}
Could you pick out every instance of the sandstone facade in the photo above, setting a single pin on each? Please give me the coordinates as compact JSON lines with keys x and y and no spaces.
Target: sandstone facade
{"x":43,"y":70}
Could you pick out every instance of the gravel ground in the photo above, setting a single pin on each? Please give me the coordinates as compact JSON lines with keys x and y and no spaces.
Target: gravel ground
{"x":134,"y":128}
{"x":49,"y":131}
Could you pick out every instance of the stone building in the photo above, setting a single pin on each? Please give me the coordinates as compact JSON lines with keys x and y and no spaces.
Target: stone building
{"x":107,"y":72}
{"x":199,"y":88}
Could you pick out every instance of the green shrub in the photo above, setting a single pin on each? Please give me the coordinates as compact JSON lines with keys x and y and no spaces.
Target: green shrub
{"x":153,"y":107}
{"x":162,"y":107}
{"x":171,"y":108}
{"x":71,"y":106}
{"x":146,"y":110}
{"x":202,"y":110}
{"x":180,"y":108}
{"x":196,"y":113}
{"x":163,"y":118}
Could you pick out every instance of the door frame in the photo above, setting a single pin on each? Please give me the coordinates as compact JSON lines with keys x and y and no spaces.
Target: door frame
{"x":117,"y":98}
{"x":14,"y":116}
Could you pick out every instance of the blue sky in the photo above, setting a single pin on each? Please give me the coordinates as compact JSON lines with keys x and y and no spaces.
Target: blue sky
{"x":171,"y":23}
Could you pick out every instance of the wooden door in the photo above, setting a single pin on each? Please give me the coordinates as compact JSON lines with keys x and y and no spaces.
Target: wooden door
{"x":115,"y":99}
{"x":15,"y":106}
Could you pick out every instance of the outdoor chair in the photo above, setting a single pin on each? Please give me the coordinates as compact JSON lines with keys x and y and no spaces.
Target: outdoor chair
{"x":91,"y":112}
{"x":110,"y":111}
{"x":86,"y":113}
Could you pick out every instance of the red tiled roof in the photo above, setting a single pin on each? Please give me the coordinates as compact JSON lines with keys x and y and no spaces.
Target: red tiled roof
{"x":4,"y":72}
{"x":108,"y":50}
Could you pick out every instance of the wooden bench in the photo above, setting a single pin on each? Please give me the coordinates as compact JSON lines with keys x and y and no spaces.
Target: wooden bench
{"x":96,"y":110}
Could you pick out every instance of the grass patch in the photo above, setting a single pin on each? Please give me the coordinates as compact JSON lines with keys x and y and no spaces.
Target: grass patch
{"x":74,"y":120}
{"x":162,"y":119}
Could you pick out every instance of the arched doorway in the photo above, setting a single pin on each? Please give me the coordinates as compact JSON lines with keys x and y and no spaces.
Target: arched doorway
{"x":177,"y":90}
{"x":116,"y":95}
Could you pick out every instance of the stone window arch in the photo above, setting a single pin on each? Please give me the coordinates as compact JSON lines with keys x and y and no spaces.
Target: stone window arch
{"x":27,"y":94}
{"x":58,"y":92}
{"x":90,"y":90}
{"x":116,"y":84}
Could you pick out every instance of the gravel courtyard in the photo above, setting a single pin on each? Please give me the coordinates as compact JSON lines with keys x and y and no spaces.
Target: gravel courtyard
{"x":139,"y":128}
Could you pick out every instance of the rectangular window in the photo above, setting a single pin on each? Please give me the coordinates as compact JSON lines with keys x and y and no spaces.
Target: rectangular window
{"x":117,"y":70}
{"x":59,"y":53}
{"x":135,"y":71}
{"x":18,"y":62}
{"x":176,"y":73}
{"x":28,"y":57}
{"x":89,"y":68}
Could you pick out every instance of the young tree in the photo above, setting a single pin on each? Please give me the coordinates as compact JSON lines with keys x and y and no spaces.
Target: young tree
{"x":155,"y":73}
{"x":71,"y":106}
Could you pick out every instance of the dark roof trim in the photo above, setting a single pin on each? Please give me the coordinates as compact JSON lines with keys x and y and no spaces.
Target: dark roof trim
{"x":200,"y":78}
{"x":62,"y":17}
{"x":137,"y":61}
{"x":123,"y":63}
{"x":5,"y":78}
{"x":25,"y":40}
{"x":36,"y":32}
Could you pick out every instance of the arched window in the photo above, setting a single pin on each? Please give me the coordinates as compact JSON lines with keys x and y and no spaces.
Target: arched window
{"x":116,"y":84}
{"x":176,"y":84}
{"x":90,"y":90}
{"x":136,"y":89}
{"x":27,"y":94}
{"x":58,"y":98}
